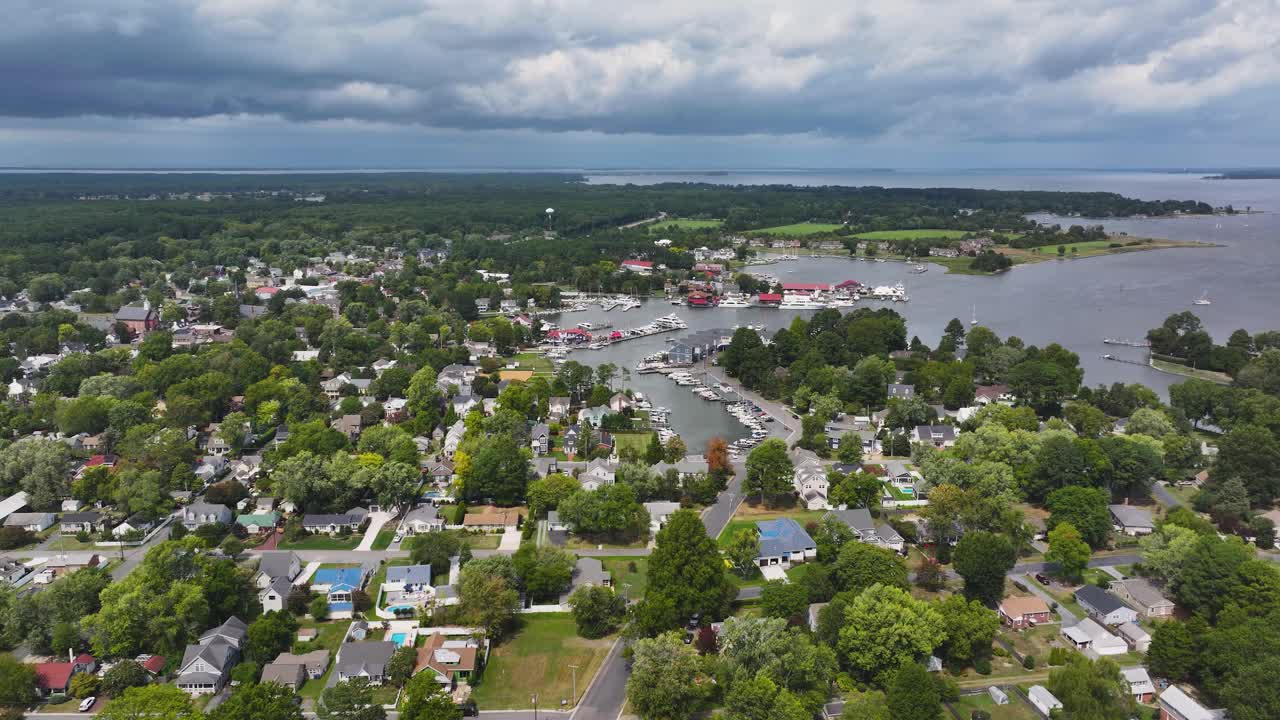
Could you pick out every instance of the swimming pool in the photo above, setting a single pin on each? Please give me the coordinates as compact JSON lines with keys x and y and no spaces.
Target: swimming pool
{"x":399,"y":638}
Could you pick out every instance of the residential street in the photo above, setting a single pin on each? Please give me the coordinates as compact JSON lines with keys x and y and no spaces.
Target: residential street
{"x":607,"y":693}
{"x":1164,"y":497}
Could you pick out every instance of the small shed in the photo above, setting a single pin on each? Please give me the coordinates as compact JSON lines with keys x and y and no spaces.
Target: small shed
{"x":998,"y":696}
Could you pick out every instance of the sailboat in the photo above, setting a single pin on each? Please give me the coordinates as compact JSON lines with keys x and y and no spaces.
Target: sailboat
{"x":1203,"y":299}
{"x":974,"y":319}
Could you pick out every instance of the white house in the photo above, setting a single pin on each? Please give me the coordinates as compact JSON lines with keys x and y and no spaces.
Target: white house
{"x":1043,"y":700}
{"x":1088,"y":635}
{"x":1104,"y":607}
{"x":1132,"y":520}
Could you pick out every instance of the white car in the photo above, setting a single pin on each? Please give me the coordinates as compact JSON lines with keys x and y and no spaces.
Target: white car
{"x":87,"y":703}
{"x":398,"y":537}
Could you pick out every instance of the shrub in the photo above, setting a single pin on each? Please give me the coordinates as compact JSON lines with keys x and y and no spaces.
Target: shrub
{"x":1029,"y":662}
{"x":83,"y":685}
{"x":999,"y":651}
{"x":1058,"y":656}
{"x":980,"y":715}
{"x":982,"y":665}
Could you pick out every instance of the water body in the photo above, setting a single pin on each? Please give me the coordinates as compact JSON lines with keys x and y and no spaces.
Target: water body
{"x":1074,"y":302}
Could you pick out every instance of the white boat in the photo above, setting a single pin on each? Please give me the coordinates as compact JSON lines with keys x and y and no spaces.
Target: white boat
{"x":1203,"y":299}
{"x":733,"y":300}
{"x":974,"y":319}
{"x":799,"y":301}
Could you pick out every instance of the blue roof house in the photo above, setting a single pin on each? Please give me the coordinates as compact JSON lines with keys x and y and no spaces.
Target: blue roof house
{"x":783,"y":542}
{"x":337,"y":584}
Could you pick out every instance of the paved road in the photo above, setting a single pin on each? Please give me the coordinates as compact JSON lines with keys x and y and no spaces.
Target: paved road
{"x":750,"y":592}
{"x":718,"y":515}
{"x":1098,"y":562}
{"x":1164,"y":497}
{"x":607,"y":693}
{"x":525,"y":715}
{"x":1068,"y":618}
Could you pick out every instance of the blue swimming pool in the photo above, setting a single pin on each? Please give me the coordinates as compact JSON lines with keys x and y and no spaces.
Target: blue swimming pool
{"x":398,"y":638}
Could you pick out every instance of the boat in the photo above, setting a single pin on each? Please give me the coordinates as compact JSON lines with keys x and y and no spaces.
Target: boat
{"x":974,"y":319}
{"x":734,"y":300}
{"x":1203,"y":299}
{"x":918,"y":268}
{"x":799,"y":301}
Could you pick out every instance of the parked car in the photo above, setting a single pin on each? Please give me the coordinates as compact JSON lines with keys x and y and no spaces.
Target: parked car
{"x":1043,"y":579}
{"x":87,"y":704}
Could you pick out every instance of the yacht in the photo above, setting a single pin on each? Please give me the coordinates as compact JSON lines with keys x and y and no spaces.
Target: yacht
{"x":734,"y":300}
{"x":801,"y":302}
{"x":1203,"y":299}
{"x":918,"y":268}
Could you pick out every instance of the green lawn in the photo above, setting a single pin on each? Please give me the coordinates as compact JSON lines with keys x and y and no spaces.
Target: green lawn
{"x":323,"y":542}
{"x":620,"y":569}
{"x":637,"y":441}
{"x":911,"y":234}
{"x":538,"y":363}
{"x":481,"y":541}
{"x":384,"y":538}
{"x":685,"y":224}
{"x":1036,"y":641}
{"x":69,"y":542}
{"x":536,"y":660}
{"x":1015,"y":710}
{"x":329,"y":638}
{"x":1082,"y":249}
{"x":1176,"y":369}
{"x":797,"y":229}
{"x":897,"y":493}
{"x":1063,"y":596}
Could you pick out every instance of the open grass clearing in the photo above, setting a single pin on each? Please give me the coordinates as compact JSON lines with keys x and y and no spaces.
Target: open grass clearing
{"x":1176,"y":369}
{"x":637,"y":441}
{"x":383,"y":539}
{"x":1016,"y":709}
{"x":685,"y":224}
{"x":323,"y":542}
{"x":798,"y":229}
{"x":1037,"y":641}
{"x":917,"y":234}
{"x":636,"y":581}
{"x":537,"y":660}
{"x":540,"y":364}
{"x":578,"y":542}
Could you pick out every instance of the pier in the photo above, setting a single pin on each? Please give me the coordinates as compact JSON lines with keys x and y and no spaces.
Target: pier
{"x":1129,"y":343}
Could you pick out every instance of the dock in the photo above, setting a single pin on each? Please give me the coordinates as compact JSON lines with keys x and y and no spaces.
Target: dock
{"x":1129,"y":343}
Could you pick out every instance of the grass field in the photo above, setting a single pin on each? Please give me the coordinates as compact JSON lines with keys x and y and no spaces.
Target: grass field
{"x":911,"y":234}
{"x":686,"y":224}
{"x":1015,"y":710}
{"x":383,"y":540}
{"x":637,"y":441}
{"x":323,"y":542}
{"x":538,"y":363}
{"x":481,"y":541}
{"x":797,"y":229}
{"x":1036,"y":641}
{"x":1183,"y":370}
{"x":620,"y":569}
{"x":537,"y":660}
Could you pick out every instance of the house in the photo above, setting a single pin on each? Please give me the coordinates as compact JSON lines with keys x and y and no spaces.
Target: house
{"x":593,"y":416}
{"x":619,"y":403}
{"x":686,"y":468}
{"x":424,"y":518}
{"x":1088,"y":635}
{"x":395,"y":410}
{"x":206,"y":665}
{"x":277,"y":564}
{"x":597,"y":473}
{"x":1104,"y":607}
{"x":939,"y":436}
{"x":364,"y":660}
{"x":153,"y":664}
{"x":337,"y":584}
{"x":55,"y":677}
{"x":293,"y":670}
{"x":495,"y":521}
{"x":1132,"y":520}
{"x":203,"y":513}
{"x":867,"y":530}
{"x":898,"y":390}
{"x":11,"y":571}
{"x":639,"y":267}
{"x":1135,"y":637}
{"x":554,"y":523}
{"x":988,"y":394}
{"x":13,"y":504}
{"x":452,"y":661}
{"x":659,"y":514}
{"x":1177,"y":705}
{"x":897,"y":474}
{"x":810,"y":482}
{"x":1143,"y":597}
{"x":783,"y":542}
{"x":540,"y":439}
{"x":275,"y":596}
{"x":588,"y":572}
{"x":258,"y":522}
{"x":1022,"y":612}
{"x":88,"y":521}
{"x":348,"y":425}
{"x":1043,"y":700}
{"x":459,"y":376}
{"x":32,"y":521}
{"x":332,"y":524}
{"x":453,"y":438}
{"x":65,"y":563}
{"x":140,"y":319}
{"x":440,"y":472}
{"x":134,"y":524}
{"x":557,"y":407}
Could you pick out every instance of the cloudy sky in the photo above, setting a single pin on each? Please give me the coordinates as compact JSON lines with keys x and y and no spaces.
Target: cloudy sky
{"x":656,"y":83}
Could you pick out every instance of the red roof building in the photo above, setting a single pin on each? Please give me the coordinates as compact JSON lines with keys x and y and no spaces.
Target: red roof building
{"x":769,"y":298}
{"x":805,"y":287}
{"x":55,"y":677}
{"x":848,"y":284}
{"x":642,"y":266}
{"x":103,"y":460}
{"x":266,"y":291}
{"x":153,"y":664}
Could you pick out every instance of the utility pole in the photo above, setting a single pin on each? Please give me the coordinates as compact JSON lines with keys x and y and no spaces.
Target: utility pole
{"x":534,"y":700}
{"x":574,"y":668}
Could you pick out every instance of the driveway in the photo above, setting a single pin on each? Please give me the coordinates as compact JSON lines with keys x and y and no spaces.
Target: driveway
{"x":1068,"y":618}
{"x":510,"y":541}
{"x":773,"y":572}
{"x":376,"y":521}
{"x":1164,"y":497}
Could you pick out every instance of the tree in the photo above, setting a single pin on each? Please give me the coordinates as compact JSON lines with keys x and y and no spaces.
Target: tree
{"x":487,"y":600}
{"x":1251,"y":694}
{"x":983,"y":559}
{"x":769,"y":470}
{"x":930,"y":575}
{"x":1069,"y":550}
{"x":38,"y":466}
{"x":152,"y":702}
{"x":869,"y":705}
{"x":971,"y":627}
{"x":687,"y":568}
{"x":268,"y":636}
{"x":1251,"y":453}
{"x":1085,"y":508}
{"x":499,"y":472}
{"x":424,"y":699}
{"x":653,"y":453}
{"x":83,"y":685}
{"x":831,"y":535}
{"x":885,"y":627}
{"x":664,"y":678}
{"x":675,"y":449}
{"x":1092,"y":689}
{"x":850,"y":451}
{"x":1148,"y":421}
{"x":1175,"y":651}
{"x":435,"y":549}
{"x":781,"y":599}
{"x":859,"y":566}
{"x":544,"y":571}
{"x":122,"y":676}
{"x":253,"y":701}
{"x":400,"y":666}
{"x":597,"y":611}
{"x":760,"y":698}
{"x":744,"y":548}
{"x":912,"y":694}
{"x":350,"y":700}
{"x":612,"y":511}
{"x":17,"y":682}
{"x":319,"y":608}
{"x":547,"y":493}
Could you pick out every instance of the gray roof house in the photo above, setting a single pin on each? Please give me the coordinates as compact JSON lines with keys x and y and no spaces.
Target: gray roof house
{"x":87,"y":521}
{"x":1132,"y":520}
{"x":203,"y":513}
{"x":935,"y":435}
{"x":277,"y":564}
{"x":868,"y":531}
{"x":207,"y":665}
{"x":290,"y":675}
{"x":409,"y":575}
{"x":1104,"y":607}
{"x":422,"y":519}
{"x":233,"y":632}
{"x":898,"y":390}
{"x":1143,"y":596}
{"x":364,"y":659}
{"x":33,"y":521}
{"x":275,"y":596}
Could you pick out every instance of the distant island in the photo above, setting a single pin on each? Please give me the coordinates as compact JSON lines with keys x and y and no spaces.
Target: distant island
{"x":1256,"y":174}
